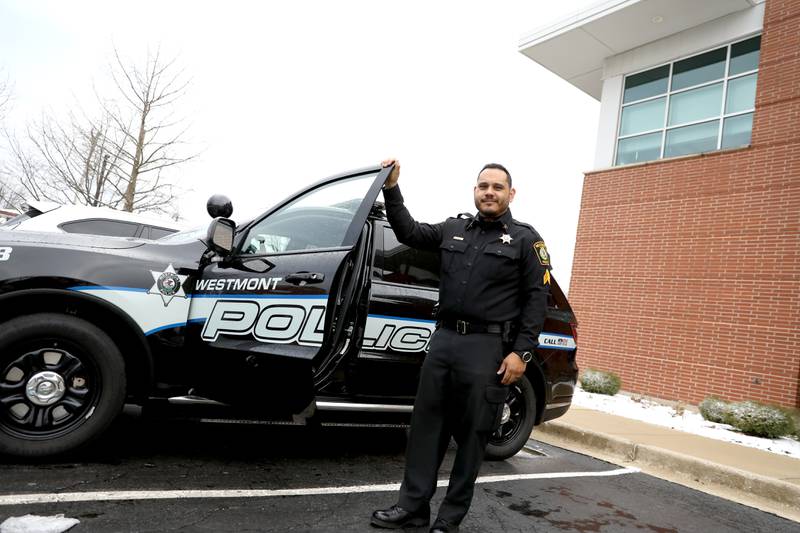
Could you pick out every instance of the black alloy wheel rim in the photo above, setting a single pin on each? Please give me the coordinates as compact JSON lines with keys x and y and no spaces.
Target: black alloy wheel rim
{"x":20,"y":414}
{"x":511,"y":428}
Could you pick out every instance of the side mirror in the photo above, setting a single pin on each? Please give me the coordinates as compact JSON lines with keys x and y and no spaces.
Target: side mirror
{"x":219,"y":205}
{"x":220,"y":236}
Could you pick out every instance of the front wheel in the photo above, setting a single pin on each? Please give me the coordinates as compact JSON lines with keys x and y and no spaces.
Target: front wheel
{"x":516,"y":424}
{"x":62,"y":383}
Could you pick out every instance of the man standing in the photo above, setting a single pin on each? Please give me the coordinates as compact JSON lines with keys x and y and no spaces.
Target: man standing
{"x":495,"y":277}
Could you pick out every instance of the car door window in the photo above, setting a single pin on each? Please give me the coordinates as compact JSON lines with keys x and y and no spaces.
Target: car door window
{"x":114,"y":228}
{"x":409,"y":266}
{"x":317,"y":220}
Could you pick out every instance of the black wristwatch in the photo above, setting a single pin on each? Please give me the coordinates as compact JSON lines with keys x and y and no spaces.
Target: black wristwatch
{"x":525,"y":356}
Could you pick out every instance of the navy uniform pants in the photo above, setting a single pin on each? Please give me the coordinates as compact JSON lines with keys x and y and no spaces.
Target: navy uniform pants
{"x":459,"y":395}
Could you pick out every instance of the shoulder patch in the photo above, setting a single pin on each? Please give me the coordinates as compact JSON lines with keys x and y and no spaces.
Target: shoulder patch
{"x":541,"y":253}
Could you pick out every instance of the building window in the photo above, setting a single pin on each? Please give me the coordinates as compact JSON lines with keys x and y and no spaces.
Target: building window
{"x":698,"y":104}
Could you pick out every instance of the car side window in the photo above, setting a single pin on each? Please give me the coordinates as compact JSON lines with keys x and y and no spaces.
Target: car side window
{"x":399,"y":263}
{"x":113,"y":228}
{"x":316,"y":220}
{"x":157,"y":233}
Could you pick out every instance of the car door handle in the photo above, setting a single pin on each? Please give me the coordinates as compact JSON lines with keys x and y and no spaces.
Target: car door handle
{"x":302,"y":278}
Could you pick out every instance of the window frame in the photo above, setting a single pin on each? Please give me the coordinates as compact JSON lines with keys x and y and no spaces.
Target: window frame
{"x":353,"y":232}
{"x":720,"y":117}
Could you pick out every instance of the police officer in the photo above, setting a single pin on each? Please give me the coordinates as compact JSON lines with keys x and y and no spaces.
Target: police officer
{"x":495,"y":277}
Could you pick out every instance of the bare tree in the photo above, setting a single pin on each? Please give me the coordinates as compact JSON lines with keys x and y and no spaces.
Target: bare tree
{"x":152,"y":138}
{"x":22,"y":167}
{"x":5,"y":97}
{"x":9,"y":193}
{"x":10,"y":196}
{"x":66,"y":161}
{"x":117,"y":157}
{"x":75,"y":161}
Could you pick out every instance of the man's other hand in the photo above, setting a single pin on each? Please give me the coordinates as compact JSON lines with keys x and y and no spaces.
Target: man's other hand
{"x":394,"y":175}
{"x":512,"y":369}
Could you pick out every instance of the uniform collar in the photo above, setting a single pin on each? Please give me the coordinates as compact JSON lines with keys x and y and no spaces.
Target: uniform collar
{"x":503,"y":222}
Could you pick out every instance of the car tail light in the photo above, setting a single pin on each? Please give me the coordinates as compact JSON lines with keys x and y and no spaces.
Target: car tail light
{"x":574,"y":327}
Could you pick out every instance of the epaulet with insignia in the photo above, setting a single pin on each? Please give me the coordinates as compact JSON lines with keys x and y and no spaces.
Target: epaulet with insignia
{"x":524,"y":225}
{"x":467,"y":216}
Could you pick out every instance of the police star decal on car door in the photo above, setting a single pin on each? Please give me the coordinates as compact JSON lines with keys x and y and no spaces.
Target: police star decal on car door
{"x":168,"y":284}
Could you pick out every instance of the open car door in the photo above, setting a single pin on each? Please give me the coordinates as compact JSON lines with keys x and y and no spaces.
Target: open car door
{"x":270,"y":316}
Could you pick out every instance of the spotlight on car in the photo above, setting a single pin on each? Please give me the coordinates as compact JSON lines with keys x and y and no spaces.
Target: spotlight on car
{"x":219,"y":205}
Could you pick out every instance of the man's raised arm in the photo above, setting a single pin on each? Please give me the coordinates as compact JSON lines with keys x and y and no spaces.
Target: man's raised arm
{"x":408,"y":231}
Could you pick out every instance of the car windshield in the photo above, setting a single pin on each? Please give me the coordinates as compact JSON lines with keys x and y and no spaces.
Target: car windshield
{"x":189,"y":235}
{"x":196,"y":233}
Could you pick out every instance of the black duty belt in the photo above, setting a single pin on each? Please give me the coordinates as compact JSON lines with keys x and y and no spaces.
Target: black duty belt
{"x":465,"y":328}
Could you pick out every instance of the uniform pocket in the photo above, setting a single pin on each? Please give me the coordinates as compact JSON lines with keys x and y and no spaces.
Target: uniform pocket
{"x":502,"y":261}
{"x":453,"y":255}
{"x":495,"y":400}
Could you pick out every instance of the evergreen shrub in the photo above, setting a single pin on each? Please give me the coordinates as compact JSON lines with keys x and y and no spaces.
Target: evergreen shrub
{"x":600,"y":382}
{"x":753,"y":418}
{"x":714,"y":410}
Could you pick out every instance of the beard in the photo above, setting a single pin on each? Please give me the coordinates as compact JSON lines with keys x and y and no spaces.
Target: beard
{"x":491,"y":210}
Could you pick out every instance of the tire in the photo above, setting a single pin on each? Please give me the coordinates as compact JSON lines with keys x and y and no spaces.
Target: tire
{"x":512,"y":434}
{"x":62,"y":383}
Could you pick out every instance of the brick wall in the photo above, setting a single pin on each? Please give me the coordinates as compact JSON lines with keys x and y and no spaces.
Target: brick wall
{"x":686,"y":277}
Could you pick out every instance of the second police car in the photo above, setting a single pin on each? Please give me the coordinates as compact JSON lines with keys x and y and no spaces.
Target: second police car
{"x":311,"y":312}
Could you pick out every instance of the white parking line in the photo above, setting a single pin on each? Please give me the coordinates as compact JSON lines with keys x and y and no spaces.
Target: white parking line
{"x":24,"y":499}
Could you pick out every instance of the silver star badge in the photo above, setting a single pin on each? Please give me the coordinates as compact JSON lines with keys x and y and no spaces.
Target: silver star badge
{"x":168,"y":284}
{"x":506,"y":238}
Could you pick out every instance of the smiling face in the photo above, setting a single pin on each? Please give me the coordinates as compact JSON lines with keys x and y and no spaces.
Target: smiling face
{"x":492,"y":193}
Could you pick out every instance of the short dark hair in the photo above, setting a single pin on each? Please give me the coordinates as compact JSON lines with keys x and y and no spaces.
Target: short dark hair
{"x":497,"y":166}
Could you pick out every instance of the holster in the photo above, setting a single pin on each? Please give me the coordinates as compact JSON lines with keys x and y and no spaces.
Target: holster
{"x":510,"y":329}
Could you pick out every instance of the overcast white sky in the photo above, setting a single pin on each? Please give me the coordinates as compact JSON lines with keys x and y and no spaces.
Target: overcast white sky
{"x":286,"y":93}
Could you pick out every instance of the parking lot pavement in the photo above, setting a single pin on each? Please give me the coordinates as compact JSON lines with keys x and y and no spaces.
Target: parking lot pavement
{"x":336,"y":477}
{"x":763,"y":479}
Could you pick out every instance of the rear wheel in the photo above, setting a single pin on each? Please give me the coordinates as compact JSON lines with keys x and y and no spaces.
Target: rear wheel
{"x":516,"y":424}
{"x":62,"y":383}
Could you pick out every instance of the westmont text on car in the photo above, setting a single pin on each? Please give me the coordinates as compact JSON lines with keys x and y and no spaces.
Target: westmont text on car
{"x":311,"y":311}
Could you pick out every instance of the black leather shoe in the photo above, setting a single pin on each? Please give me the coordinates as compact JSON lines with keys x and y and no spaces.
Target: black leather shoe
{"x":395,"y":517}
{"x":443,"y":526}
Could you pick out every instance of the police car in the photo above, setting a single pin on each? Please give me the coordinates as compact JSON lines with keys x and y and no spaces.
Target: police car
{"x":311,"y":313}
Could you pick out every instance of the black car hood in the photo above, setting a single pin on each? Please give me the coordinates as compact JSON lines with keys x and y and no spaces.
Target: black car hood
{"x":73,"y":240}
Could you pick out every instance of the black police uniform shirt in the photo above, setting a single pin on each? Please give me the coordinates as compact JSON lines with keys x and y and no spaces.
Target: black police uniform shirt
{"x":492,"y":271}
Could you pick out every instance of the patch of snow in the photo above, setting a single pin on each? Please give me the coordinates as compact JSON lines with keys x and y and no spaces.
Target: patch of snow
{"x":38,"y":524}
{"x":688,"y":421}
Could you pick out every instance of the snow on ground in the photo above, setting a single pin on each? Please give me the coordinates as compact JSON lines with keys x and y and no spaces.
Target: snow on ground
{"x":690,"y":422}
{"x":38,"y":524}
